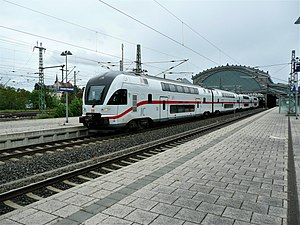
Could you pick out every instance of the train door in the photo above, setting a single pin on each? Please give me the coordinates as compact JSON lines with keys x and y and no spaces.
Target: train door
{"x":212,"y":102}
{"x":134,"y":102}
{"x":163,"y":108}
{"x":198,"y":105}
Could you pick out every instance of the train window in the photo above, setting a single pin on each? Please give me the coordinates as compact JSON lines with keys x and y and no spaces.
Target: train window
{"x":145,"y":81}
{"x":179,"y":88}
{"x":172,"y":87}
{"x":197,"y":104}
{"x":165,"y":87}
{"x":149,"y":98}
{"x":228,"y":106}
{"x":164,"y":105}
{"x":118,"y":98}
{"x":204,"y":100}
{"x":181,"y":108}
{"x":227,"y":95}
{"x":186,"y":89}
{"x":134,"y":103}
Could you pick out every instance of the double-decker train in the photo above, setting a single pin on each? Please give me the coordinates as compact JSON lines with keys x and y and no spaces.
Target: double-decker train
{"x":117,"y":100}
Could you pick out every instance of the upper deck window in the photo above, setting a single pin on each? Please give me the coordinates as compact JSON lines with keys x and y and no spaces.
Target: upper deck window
{"x":178,"y":88}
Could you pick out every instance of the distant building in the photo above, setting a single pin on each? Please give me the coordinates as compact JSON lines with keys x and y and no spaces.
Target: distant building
{"x":241,"y":79}
{"x":55,"y":87}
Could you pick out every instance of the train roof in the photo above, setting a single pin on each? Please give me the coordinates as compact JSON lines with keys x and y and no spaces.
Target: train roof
{"x":113,"y":74}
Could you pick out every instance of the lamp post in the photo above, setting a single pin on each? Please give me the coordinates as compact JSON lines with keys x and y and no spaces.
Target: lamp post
{"x":66,"y":53}
{"x":296,"y":79}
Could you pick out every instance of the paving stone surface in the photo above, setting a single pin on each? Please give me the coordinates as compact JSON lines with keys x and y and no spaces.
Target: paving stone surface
{"x":236,"y":175}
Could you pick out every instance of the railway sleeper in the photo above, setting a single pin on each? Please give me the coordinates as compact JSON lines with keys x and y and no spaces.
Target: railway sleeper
{"x":135,"y":159}
{"x":126,"y":162}
{"x":107,"y":169}
{"x":97,"y":173}
{"x":12,"y":204}
{"x":148,"y":154}
{"x":154,"y":152}
{"x":34,"y":197}
{"x":70,"y":183}
{"x":54,"y":189}
{"x":141,"y":156}
{"x":85,"y":178}
{"x":5,"y":153}
{"x":17,"y":151}
{"x":117,"y":166}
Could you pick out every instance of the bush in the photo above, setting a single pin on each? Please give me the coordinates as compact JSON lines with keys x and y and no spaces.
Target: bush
{"x":76,"y":107}
{"x":60,"y":110}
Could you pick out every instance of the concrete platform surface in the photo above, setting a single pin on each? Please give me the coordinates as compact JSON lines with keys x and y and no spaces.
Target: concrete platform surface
{"x":235,"y":175}
{"x":20,"y":126}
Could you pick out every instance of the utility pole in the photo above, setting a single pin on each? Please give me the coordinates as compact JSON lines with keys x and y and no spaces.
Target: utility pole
{"x":122,"y":60}
{"x":138,"y":59}
{"x":42,"y":102}
{"x":291,"y":79}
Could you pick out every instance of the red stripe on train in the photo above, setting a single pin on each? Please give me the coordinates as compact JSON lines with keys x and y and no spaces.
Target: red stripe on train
{"x":158,"y":102}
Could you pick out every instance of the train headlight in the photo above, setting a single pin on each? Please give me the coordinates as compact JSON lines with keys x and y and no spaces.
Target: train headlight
{"x":105,"y":109}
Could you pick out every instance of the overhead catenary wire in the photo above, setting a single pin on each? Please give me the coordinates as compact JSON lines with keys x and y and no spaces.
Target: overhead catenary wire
{"x":107,"y":67}
{"x":58,"y":41}
{"x":77,"y":46}
{"x":77,"y":25}
{"x":84,"y":27}
{"x":196,"y":32}
{"x":159,"y":32}
{"x":183,"y":61}
{"x":272,"y":65}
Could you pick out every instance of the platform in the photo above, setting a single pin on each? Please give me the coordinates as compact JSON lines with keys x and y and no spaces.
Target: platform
{"x":19,"y":133}
{"x":32,"y":125}
{"x":235,"y":175}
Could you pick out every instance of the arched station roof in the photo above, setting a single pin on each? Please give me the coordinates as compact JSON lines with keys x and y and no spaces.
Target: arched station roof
{"x":240,"y":79}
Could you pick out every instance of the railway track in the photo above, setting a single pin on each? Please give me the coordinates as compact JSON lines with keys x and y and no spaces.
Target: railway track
{"x":92,"y":169}
{"x":28,"y":151}
{"x":7,"y":116}
{"x":14,"y":154}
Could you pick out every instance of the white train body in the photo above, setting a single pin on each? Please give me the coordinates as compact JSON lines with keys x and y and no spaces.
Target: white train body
{"x":118,"y":99}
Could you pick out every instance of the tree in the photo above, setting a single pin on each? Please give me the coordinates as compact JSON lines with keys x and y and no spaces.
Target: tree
{"x":34,"y":98}
{"x":13,"y":99}
{"x":76,"y":107}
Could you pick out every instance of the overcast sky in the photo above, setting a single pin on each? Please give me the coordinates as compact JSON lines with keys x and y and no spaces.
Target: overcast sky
{"x":207,"y":33}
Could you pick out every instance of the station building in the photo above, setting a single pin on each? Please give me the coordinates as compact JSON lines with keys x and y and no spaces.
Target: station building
{"x":243,"y":80}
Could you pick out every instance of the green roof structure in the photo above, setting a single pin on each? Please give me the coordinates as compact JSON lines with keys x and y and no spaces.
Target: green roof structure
{"x":239,"y":79}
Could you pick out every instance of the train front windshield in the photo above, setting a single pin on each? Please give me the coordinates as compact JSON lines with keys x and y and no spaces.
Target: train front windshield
{"x":97,"y":88}
{"x":95,"y":95}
